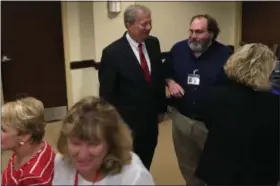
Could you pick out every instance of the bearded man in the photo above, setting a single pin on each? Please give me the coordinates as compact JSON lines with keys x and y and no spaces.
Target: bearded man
{"x":192,"y":67}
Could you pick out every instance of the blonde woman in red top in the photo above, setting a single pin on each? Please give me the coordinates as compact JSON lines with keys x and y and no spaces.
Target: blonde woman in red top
{"x":22,"y":131}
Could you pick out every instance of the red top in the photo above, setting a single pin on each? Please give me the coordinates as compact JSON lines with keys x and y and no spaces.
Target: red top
{"x":37,"y":171}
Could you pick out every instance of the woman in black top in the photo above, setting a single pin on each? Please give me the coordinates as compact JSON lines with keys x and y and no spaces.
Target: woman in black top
{"x":242,"y":147}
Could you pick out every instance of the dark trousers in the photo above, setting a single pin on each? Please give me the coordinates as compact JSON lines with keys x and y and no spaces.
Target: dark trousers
{"x":145,"y":134}
{"x":144,"y":146}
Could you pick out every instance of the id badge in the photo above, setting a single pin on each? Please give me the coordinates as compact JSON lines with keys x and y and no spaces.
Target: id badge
{"x":193,"y":79}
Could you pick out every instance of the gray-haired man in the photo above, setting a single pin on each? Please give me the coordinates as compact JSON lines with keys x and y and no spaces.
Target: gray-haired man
{"x":131,"y":79}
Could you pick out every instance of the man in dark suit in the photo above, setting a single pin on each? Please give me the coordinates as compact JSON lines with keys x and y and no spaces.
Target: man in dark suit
{"x":131,"y":79}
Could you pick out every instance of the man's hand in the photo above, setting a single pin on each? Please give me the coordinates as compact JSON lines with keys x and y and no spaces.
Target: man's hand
{"x":160,"y":118}
{"x":175,"y":89}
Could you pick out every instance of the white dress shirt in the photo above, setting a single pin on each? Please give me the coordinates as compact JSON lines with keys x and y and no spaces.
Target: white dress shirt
{"x":134,"y":173}
{"x":134,"y":45}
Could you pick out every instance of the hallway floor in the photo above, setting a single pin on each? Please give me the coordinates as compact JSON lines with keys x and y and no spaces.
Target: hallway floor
{"x":164,"y":168}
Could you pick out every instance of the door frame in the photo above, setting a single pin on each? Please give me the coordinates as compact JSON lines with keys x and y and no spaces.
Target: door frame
{"x":66,"y":44}
{"x":66,"y":58}
{"x":238,"y":23}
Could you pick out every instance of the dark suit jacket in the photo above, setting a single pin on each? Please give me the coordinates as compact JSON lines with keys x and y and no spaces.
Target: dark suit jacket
{"x":122,"y":82}
{"x":242,"y":147}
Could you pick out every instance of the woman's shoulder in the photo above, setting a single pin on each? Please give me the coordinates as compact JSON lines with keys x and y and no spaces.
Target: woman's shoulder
{"x":41,"y":162}
{"x":136,"y":173}
{"x":39,"y":169}
{"x":58,"y":158}
{"x":63,"y":173}
{"x":228,"y":92}
{"x":60,"y":163}
{"x":135,"y":164}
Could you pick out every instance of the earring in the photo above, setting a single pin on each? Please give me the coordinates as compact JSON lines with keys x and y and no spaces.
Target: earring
{"x":21,"y":143}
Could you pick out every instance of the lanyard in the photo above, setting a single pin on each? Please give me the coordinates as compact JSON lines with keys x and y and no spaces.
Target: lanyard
{"x":96,"y":177}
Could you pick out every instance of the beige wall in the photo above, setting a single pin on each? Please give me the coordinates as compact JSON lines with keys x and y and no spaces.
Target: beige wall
{"x":171,"y":20}
{"x":88,"y":28}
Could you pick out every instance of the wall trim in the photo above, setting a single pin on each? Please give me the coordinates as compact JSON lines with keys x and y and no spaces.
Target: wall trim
{"x":84,"y":64}
{"x":91,"y":63}
{"x":238,"y":23}
{"x":66,"y":45}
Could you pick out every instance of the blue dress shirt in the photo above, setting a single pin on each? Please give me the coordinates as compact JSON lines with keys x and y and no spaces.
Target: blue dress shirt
{"x":209,"y":66}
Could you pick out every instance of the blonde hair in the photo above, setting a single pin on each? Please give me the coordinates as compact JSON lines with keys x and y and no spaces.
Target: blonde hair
{"x":251,"y":65}
{"x":92,"y":119}
{"x":26,"y":115}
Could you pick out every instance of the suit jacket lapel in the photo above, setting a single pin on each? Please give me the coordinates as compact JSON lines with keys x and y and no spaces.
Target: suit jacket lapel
{"x":131,"y":61}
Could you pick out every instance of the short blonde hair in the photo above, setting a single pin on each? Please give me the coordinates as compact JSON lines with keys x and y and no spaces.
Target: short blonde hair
{"x":92,"y":119}
{"x":251,"y":65}
{"x":26,"y":115}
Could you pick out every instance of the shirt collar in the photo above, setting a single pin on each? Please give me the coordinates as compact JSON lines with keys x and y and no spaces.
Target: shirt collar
{"x":132,"y":41}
